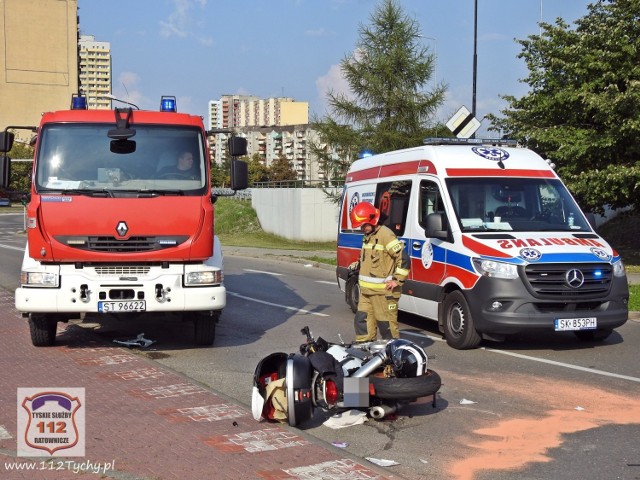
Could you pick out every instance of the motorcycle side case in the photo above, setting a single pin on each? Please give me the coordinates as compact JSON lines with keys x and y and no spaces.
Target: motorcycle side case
{"x":297,"y":372}
{"x":299,"y":398}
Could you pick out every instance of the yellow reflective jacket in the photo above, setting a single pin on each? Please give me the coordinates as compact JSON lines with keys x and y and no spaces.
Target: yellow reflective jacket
{"x":382,"y":258}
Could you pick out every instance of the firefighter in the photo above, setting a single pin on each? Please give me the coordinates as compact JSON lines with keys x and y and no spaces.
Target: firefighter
{"x":383,"y":267}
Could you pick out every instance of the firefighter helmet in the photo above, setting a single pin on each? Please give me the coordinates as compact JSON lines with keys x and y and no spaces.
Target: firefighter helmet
{"x":364,"y":212}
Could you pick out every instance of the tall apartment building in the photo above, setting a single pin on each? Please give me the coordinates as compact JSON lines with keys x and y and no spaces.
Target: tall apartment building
{"x":234,"y":111}
{"x":95,"y":71}
{"x":274,"y":127}
{"x":38,"y":58}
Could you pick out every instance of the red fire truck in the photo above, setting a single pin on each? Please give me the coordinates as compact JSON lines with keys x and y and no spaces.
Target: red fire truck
{"x":116,"y":225}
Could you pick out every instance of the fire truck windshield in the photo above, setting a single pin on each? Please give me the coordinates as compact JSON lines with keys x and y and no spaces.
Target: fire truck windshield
{"x":79,"y":158}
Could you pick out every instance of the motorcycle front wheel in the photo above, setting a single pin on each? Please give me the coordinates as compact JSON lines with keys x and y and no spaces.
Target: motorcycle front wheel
{"x":395,"y":388}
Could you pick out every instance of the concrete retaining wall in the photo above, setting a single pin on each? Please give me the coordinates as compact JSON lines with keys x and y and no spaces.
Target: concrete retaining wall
{"x":296,"y":213}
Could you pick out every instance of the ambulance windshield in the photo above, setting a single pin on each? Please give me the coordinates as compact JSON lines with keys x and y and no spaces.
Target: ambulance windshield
{"x":80,"y":159}
{"x":515,"y":204}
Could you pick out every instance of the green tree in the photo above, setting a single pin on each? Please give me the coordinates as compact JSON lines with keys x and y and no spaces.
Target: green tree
{"x":389,"y":108}
{"x":20,"y":180}
{"x":583,"y":107}
{"x":258,"y":172}
{"x":281,"y":171}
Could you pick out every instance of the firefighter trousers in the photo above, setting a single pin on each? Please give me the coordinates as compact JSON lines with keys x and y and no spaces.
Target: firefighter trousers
{"x":376,"y":312}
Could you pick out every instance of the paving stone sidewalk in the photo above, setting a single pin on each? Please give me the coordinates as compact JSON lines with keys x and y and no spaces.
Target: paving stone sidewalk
{"x":144,"y":421}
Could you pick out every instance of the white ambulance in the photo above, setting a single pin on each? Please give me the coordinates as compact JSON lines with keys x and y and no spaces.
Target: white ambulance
{"x":497,"y":243}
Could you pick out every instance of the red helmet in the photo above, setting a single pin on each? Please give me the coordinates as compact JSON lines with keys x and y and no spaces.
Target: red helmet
{"x":364,"y":212}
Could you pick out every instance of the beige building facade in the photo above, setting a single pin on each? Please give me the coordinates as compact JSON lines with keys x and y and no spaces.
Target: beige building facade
{"x":38,"y":58}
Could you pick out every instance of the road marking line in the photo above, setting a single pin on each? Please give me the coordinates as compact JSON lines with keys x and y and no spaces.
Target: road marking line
{"x":565,"y":365}
{"x":261,"y":271}
{"x":300,"y":310}
{"x":327,"y":282}
{"x":541,"y":360}
{"x":11,"y":247}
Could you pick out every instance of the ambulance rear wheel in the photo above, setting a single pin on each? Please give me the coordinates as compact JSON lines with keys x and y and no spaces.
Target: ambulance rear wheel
{"x":205,"y":327}
{"x":43,"y":329}
{"x":459,"y":329}
{"x":352,"y":293}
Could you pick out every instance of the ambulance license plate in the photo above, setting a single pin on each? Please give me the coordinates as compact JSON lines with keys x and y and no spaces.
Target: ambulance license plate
{"x":124,"y":306}
{"x":572,"y":324}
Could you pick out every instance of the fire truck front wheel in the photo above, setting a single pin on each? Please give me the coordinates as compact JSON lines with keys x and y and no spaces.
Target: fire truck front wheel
{"x":205,"y":327}
{"x":459,"y":329}
{"x":43,"y":329}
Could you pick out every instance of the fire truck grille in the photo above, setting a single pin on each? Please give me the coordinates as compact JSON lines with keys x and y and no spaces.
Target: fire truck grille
{"x":130,"y":245}
{"x":122,"y":270}
{"x":569,"y":281}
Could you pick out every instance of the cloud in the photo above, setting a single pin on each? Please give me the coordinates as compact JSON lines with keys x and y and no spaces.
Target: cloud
{"x":127,"y":88}
{"x":332,"y":81}
{"x":181,"y":23}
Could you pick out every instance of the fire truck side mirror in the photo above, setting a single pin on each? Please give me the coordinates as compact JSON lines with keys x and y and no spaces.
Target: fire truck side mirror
{"x":237,"y":146}
{"x":239,"y":175}
{"x":6,"y":141}
{"x":5,"y":171}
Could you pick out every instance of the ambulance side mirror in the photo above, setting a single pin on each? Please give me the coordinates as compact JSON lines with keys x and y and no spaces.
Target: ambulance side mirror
{"x":591,"y":218}
{"x":435,"y":226}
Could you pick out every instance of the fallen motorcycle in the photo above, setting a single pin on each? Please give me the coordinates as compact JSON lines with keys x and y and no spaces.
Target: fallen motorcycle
{"x":377,"y":377}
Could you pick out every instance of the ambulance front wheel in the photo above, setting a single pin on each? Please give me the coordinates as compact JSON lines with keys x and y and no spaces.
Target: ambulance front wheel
{"x":459,"y":329}
{"x":352,"y":293}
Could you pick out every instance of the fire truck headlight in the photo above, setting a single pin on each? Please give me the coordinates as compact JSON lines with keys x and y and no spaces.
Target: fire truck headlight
{"x":40,"y":279}
{"x":210,"y":277}
{"x":618,"y":269}
{"x":491,"y":268}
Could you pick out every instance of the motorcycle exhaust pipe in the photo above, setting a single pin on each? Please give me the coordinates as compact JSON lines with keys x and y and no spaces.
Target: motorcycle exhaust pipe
{"x":380,"y":411}
{"x":372,"y":365}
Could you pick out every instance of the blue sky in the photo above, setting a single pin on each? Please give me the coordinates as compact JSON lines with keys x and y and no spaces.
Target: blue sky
{"x":199,"y":50}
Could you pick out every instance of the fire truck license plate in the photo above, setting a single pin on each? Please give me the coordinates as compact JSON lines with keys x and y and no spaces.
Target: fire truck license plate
{"x":124,"y":306}
{"x":568,"y":324}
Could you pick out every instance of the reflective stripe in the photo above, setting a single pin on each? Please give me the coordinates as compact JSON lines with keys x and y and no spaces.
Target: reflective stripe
{"x":394,"y":246}
{"x":369,"y":246}
{"x":364,"y":278}
{"x":372,"y":286}
{"x":402,"y":271}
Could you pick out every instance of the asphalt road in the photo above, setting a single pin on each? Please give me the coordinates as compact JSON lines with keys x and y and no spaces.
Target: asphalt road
{"x":545,"y":406}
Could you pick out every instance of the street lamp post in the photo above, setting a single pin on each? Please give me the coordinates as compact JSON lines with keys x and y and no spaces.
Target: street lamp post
{"x":475,"y":56}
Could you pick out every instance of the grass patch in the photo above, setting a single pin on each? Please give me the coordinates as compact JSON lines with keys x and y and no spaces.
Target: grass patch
{"x":621,"y":233}
{"x":634,"y":298}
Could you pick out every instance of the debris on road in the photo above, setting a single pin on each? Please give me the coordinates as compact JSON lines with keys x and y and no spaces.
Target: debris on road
{"x":139,"y":341}
{"x":381,"y":462}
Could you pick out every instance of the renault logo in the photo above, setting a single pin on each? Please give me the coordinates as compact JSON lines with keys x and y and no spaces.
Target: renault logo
{"x":574,"y":278}
{"x":122,"y":228}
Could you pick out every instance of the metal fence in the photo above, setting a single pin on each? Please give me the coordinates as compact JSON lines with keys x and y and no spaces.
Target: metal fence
{"x":300,"y":184}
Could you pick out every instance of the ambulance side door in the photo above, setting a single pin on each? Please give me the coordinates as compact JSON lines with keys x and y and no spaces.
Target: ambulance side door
{"x":428,"y":254}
